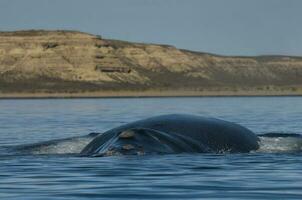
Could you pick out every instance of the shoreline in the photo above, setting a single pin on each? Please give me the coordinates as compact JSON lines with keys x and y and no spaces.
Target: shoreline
{"x":142,"y":94}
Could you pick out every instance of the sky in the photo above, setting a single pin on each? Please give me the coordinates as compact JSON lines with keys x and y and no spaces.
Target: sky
{"x":226,"y":27}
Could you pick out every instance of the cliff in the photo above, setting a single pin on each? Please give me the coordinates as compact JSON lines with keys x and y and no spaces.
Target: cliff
{"x":73,"y":62}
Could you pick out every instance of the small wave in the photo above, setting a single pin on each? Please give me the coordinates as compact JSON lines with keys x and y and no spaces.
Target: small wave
{"x":72,"y":145}
{"x":269,"y":143}
{"x":284,"y":144}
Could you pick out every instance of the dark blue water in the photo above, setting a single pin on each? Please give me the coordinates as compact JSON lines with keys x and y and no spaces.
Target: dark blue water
{"x":57,"y":175}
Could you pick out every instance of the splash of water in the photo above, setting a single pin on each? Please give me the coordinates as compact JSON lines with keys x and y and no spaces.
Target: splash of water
{"x":269,"y":143}
{"x":73,"y":145}
{"x":280,"y":144}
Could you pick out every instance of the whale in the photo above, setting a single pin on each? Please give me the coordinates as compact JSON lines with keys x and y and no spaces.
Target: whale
{"x":166,"y":134}
{"x":171,"y":134}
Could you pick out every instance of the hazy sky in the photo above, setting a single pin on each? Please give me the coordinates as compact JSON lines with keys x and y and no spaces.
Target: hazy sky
{"x":231,"y":27}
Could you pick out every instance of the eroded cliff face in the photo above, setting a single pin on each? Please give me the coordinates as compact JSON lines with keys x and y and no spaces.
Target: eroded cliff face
{"x":69,"y":61}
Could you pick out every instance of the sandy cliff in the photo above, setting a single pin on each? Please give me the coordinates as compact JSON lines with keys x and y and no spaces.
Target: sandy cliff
{"x":74,"y":62}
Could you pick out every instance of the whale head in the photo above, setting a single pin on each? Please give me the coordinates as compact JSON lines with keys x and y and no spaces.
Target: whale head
{"x":140,"y":141}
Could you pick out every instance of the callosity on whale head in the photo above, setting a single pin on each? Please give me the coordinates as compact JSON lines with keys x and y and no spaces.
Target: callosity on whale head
{"x":169,"y":134}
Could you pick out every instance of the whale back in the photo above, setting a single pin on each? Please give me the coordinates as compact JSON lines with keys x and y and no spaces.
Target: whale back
{"x":175,"y":134}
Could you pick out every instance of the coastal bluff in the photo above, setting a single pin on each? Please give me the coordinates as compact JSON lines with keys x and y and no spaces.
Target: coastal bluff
{"x":39,"y":63}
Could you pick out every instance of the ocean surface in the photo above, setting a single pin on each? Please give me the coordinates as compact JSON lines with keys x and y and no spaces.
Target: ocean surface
{"x":273,"y":172}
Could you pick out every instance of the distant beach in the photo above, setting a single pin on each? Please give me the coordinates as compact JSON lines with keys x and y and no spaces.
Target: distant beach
{"x":152,"y":93}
